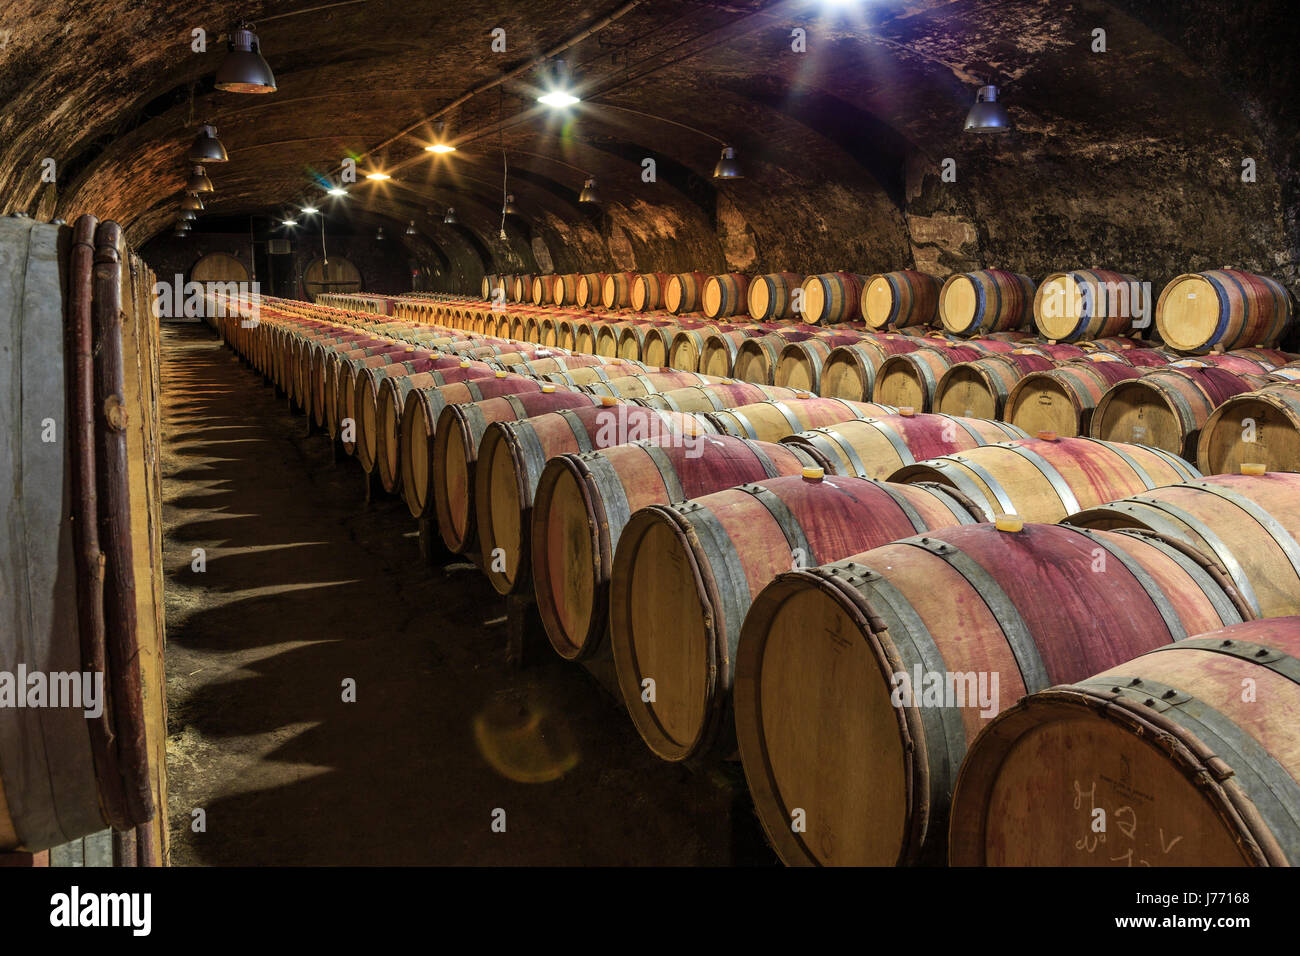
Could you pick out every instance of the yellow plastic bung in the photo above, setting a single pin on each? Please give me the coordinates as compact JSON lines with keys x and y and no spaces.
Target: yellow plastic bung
{"x":608,"y":400}
{"x":814,"y":474}
{"x":1253,"y":468}
{"x":501,"y":373}
{"x":464,"y":363}
{"x":1009,"y":523}
{"x":907,"y":411}
{"x":1047,"y":436}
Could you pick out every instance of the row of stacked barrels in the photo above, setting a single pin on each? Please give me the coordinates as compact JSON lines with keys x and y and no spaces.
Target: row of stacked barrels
{"x":83,"y":690}
{"x":1219,"y":409}
{"x":1196,"y":312}
{"x":880,"y":610}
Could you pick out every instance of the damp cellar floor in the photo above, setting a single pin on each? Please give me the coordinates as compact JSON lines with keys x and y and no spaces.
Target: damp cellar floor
{"x":305,"y":588}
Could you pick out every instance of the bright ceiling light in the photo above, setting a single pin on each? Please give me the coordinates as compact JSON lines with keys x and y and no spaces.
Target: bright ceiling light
{"x":987,"y":115}
{"x":378,"y":177}
{"x":310,"y":210}
{"x":289,"y":222}
{"x":244,"y":70}
{"x":440,"y":148}
{"x":559,"y":99}
{"x":337,"y":191}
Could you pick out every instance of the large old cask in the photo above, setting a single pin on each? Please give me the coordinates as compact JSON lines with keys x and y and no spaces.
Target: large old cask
{"x":1043,"y":479}
{"x":616,"y":292}
{"x":1188,"y":768}
{"x":588,"y":290}
{"x":990,"y":300}
{"x":684,"y":576}
{"x":900,"y":300}
{"x":583,"y":502}
{"x":725,"y":295}
{"x":860,"y":684}
{"x":1249,"y":524}
{"x":564,"y":289}
{"x":1224,"y":308}
{"x":648,"y":291}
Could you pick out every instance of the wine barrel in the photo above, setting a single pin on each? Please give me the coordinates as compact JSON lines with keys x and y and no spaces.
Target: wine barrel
{"x":774,"y":419}
{"x":1048,"y":479}
{"x":800,"y":363}
{"x":564,"y":289}
{"x":716,"y":398}
{"x":1260,"y":427}
{"x":80,"y":546}
{"x":1219,"y":765}
{"x":648,"y":291}
{"x":909,"y":379}
{"x":831,"y":297}
{"x":616,"y":291}
{"x":718,"y":353}
{"x":636,"y":386}
{"x":338,"y":275}
{"x":635,"y":343}
{"x":456,"y":439}
{"x":1089,"y":304}
{"x":979,"y":389}
{"x":900,"y":299}
{"x":583,"y":501}
{"x":770,"y":297}
{"x":1223,"y":307}
{"x":684,"y":577}
{"x":1136,"y":357}
{"x":724,"y":295}
{"x":543,"y":290}
{"x":218,"y":267}
{"x":486,"y":286}
{"x":1167,"y":407}
{"x":1248,"y":523}
{"x":860,"y":684}
{"x":878,"y":448}
{"x":684,"y":292}
{"x":687,"y":347}
{"x":990,"y":300}
{"x":521,"y":288}
{"x":1062,"y":400}
{"x":588,"y":290}
{"x":850,"y":370}
{"x":607,"y":337}
{"x":510,"y":461}
{"x":757,"y":357}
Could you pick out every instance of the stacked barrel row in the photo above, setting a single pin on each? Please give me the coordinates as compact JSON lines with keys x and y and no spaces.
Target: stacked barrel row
{"x":809,"y":581}
{"x":1218,"y":309}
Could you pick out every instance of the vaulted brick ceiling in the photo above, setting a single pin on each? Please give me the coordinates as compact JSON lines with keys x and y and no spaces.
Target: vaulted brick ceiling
{"x":1129,"y":159}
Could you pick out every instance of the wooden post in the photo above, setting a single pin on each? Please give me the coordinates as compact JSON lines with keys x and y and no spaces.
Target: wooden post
{"x":525,"y":637}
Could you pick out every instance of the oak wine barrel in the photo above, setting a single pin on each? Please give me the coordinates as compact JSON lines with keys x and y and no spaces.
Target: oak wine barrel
{"x":684,"y":292}
{"x":724,"y":295}
{"x":1218,"y":766}
{"x":1255,"y":428}
{"x":589,"y":288}
{"x":979,"y":389}
{"x":989,"y":300}
{"x":831,"y":297}
{"x":1062,"y":400}
{"x":648,"y":291}
{"x":684,"y":576}
{"x":850,"y":370}
{"x":900,"y":300}
{"x":860,"y":684}
{"x":1090,"y":304}
{"x":771,"y":297}
{"x":800,"y":363}
{"x":1223,"y":307}
{"x":909,"y":379}
{"x":616,"y":291}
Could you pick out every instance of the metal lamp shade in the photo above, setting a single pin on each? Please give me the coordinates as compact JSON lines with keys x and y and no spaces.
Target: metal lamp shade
{"x":199,"y":182}
{"x":509,"y":209}
{"x":987,"y":115}
{"x":589,"y":192}
{"x":207,"y":148}
{"x":410,"y":229}
{"x":192,"y":203}
{"x":450,"y":219}
{"x":244,"y":70}
{"x":727,"y":167}
{"x":189,"y":214}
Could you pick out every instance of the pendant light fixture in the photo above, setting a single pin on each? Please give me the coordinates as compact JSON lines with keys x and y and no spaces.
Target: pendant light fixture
{"x":410,"y":229}
{"x":379,"y":236}
{"x":589,"y":192}
{"x":987,"y":115}
{"x":192,"y":203}
{"x":199,"y":182}
{"x":206,"y":148}
{"x":182,"y":227}
{"x":439,"y":144}
{"x":244,"y":70}
{"x":559,"y":91}
{"x":189,"y":214}
{"x":450,"y":219}
{"x":509,"y":209}
{"x":727,"y":167}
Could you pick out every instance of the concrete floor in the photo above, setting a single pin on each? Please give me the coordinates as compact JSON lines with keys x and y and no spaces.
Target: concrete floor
{"x":305,"y":588}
